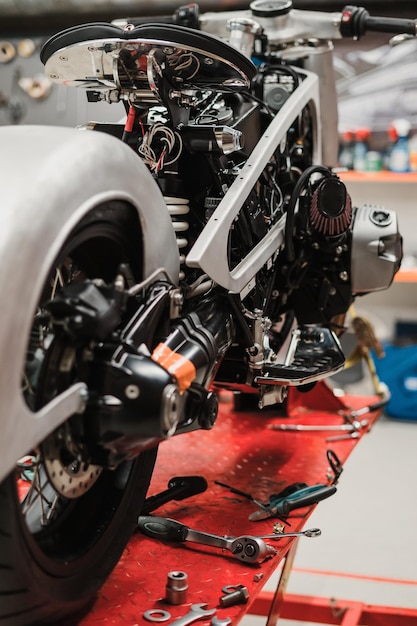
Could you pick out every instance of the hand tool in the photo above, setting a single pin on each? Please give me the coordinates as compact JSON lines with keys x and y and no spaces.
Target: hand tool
{"x":335,"y":466}
{"x":356,"y":425}
{"x":179,"y":488}
{"x":217,"y":621}
{"x":350,"y":427}
{"x":352,"y":423}
{"x":245,"y":548}
{"x":354,"y":435}
{"x":248,"y":496}
{"x":310,"y":532}
{"x":197,"y":611}
{"x":231,"y":588}
{"x":296,"y":500}
{"x":370,"y":408}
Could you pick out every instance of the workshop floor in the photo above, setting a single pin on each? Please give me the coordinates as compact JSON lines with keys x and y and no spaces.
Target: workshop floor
{"x":368,"y":549}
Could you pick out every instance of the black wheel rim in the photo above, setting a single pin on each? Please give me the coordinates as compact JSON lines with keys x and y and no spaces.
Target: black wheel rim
{"x":64,"y":529}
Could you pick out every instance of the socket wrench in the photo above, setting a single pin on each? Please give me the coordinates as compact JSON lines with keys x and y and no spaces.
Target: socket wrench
{"x":245,"y":548}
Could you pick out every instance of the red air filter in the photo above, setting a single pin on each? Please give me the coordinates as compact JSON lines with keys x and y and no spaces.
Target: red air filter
{"x":331,"y":208}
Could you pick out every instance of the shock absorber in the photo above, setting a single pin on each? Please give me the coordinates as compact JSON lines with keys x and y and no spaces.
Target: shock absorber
{"x":178,"y":209}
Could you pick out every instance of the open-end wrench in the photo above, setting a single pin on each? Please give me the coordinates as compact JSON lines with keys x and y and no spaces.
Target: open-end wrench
{"x":197,"y":611}
{"x":217,"y":621}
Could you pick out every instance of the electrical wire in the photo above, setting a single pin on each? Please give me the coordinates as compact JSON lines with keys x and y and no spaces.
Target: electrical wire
{"x":168,"y":138}
{"x":301,"y":182}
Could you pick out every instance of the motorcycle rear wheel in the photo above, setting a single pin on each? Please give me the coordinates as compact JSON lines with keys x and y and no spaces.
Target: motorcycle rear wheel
{"x":56,"y":552}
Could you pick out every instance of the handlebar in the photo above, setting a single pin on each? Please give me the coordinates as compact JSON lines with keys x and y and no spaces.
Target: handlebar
{"x":356,"y":21}
{"x":186,"y":15}
{"x":282,"y":23}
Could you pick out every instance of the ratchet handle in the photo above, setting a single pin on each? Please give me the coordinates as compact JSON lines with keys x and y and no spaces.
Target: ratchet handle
{"x":162,"y":528}
{"x":356,"y":21}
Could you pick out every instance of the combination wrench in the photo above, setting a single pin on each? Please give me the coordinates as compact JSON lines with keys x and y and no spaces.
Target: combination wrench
{"x":197,"y":611}
{"x":247,"y":548}
{"x":310,"y":532}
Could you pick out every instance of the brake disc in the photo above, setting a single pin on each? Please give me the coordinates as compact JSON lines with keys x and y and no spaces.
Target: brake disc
{"x":71,"y":478}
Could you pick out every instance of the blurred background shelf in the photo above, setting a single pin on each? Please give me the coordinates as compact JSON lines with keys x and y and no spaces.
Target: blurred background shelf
{"x":378,"y":177}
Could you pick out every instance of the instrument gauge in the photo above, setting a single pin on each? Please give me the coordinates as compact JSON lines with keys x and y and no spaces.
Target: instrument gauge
{"x":270,"y":8}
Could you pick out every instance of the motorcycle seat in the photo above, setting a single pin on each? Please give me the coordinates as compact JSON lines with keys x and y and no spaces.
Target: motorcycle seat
{"x":78,"y":34}
{"x":182,"y":37}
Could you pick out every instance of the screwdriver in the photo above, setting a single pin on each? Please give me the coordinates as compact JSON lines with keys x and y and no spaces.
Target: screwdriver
{"x":296,"y":500}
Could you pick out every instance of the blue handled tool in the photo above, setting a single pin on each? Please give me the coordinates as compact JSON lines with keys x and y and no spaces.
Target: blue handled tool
{"x":283,"y":503}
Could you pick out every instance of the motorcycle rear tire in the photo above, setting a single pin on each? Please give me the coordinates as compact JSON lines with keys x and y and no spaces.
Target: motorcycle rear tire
{"x":52,"y":575}
{"x":36,"y":589}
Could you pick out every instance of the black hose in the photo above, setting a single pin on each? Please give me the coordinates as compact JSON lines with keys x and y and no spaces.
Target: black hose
{"x":235,"y":303}
{"x":301,"y":182}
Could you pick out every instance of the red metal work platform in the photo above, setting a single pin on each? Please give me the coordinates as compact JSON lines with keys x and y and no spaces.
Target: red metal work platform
{"x":244,"y":451}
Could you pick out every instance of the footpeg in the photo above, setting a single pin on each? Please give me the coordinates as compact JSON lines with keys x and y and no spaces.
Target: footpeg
{"x":313,"y":354}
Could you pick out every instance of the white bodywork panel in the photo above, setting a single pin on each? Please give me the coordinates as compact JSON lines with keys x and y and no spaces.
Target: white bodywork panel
{"x":51,"y":177}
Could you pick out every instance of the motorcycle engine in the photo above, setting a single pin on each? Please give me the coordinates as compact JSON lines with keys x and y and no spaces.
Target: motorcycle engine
{"x":336,"y":252}
{"x":331,"y":250}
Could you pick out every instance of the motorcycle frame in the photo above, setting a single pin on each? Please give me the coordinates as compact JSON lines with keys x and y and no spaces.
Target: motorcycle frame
{"x":210,"y":251}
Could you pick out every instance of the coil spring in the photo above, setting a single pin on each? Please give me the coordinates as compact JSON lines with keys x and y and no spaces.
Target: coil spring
{"x":178,"y":209}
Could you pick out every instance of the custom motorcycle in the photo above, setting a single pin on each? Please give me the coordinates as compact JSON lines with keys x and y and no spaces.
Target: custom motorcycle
{"x":204,"y":242}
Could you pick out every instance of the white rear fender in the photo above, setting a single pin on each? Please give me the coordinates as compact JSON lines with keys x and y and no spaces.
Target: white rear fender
{"x":50,"y":179}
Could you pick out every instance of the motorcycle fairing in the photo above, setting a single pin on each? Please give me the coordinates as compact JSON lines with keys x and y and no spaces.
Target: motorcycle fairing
{"x":63,"y":174}
{"x":210,"y":251}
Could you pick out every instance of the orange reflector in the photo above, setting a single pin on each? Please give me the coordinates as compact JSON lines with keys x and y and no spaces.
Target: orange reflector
{"x":176,"y":364}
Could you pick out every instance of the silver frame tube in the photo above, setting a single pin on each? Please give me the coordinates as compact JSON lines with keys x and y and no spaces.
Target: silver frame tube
{"x":210,"y":251}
